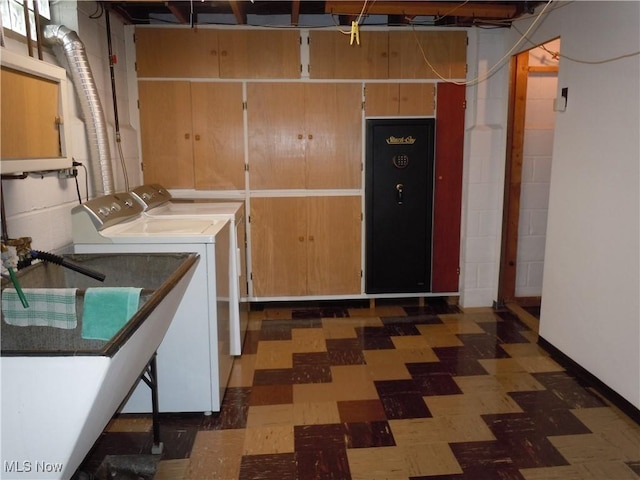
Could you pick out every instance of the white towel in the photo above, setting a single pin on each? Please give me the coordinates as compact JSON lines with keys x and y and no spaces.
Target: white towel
{"x":48,"y":307}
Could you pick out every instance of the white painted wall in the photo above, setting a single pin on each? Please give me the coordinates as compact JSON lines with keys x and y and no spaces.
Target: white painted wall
{"x":40,"y":207}
{"x":590,"y":295}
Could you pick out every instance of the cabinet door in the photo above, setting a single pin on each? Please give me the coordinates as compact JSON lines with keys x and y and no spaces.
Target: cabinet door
{"x":176,"y":52}
{"x":218,"y":138}
{"x":416,"y":99}
{"x":259,"y":54}
{"x":332,"y":56}
{"x":444,"y":50}
{"x":447,"y":195}
{"x":165,"y":132}
{"x":276,"y":135}
{"x":334,"y":234}
{"x":399,"y":99}
{"x":279,"y":246}
{"x":333,"y":130}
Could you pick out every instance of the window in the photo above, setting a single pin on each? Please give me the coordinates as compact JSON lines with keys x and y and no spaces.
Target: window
{"x":13,"y":15}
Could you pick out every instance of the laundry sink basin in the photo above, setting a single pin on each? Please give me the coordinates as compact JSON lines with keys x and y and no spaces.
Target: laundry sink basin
{"x":59,"y":390}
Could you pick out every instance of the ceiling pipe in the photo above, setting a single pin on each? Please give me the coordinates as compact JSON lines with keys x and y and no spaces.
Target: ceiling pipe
{"x":94,"y":120}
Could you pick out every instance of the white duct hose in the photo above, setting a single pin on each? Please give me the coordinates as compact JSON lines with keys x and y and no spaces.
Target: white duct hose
{"x":95,"y":124}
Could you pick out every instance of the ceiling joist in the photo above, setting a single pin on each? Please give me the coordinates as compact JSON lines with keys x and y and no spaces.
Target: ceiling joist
{"x":496,"y":10}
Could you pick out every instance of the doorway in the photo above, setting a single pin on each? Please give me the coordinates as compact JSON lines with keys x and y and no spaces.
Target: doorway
{"x":531,"y":124}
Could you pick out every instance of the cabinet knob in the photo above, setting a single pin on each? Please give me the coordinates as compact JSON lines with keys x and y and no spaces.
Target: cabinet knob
{"x":223,"y":53}
{"x":300,"y":136}
{"x":311,"y":239}
{"x":187,"y":136}
{"x":301,"y":239}
{"x":197,"y":137}
{"x":310,"y":137}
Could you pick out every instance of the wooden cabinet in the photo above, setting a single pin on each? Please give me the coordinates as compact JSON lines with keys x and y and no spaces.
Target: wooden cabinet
{"x":431,"y":54}
{"x":304,"y":135}
{"x":399,"y":99}
{"x":306,"y":245}
{"x":192,"y":134}
{"x":177,"y":52}
{"x":332,"y":56}
{"x":209,"y":53}
{"x":259,"y":54}
{"x":396,"y":54}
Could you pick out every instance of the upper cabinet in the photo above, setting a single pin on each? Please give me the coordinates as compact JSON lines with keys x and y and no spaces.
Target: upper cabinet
{"x":381,"y":55}
{"x":177,"y":52}
{"x":259,"y":53}
{"x":399,"y":99}
{"x":208,"y":53}
{"x":331,"y":55}
{"x":433,"y":54}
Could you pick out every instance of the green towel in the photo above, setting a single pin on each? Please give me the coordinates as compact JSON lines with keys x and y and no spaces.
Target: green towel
{"x":48,"y":307}
{"x":107,"y":309}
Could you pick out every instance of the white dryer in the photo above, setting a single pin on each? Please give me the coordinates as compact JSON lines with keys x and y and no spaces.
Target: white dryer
{"x":157,"y":202}
{"x":194,"y":359}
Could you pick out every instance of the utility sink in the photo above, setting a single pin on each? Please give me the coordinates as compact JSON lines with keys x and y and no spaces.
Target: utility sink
{"x":59,"y":390}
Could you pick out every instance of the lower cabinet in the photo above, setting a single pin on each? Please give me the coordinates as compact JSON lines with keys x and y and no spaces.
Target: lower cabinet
{"x":306,"y":245}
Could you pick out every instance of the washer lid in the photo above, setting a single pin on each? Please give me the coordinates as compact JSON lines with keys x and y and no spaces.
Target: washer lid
{"x":167,"y":227}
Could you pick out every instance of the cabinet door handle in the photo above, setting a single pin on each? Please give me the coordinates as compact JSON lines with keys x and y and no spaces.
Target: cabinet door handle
{"x":400,"y":193}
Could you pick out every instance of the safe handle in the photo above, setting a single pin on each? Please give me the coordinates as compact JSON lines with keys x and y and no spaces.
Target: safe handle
{"x":399,"y":193}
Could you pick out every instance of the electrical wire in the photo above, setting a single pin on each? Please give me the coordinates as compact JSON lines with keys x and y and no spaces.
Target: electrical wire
{"x":498,"y":64}
{"x":586,"y":62}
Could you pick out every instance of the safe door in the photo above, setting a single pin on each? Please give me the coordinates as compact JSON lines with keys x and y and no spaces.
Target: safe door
{"x":398,"y":205}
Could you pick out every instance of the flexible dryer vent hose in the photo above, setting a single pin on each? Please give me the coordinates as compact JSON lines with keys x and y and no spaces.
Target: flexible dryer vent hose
{"x":85,"y":85}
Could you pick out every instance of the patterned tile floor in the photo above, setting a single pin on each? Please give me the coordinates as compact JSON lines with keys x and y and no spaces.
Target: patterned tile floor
{"x":397,"y":392}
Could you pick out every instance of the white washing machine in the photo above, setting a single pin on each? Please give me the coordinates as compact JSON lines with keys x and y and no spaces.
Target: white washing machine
{"x":157,"y":202}
{"x":194,"y":359}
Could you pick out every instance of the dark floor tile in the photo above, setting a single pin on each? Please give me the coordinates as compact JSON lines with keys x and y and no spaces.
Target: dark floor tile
{"x":117,"y":443}
{"x":177,"y":442}
{"x":306,"y":313}
{"x":322,"y":464}
{"x":276,"y":330}
{"x":483,"y":346}
{"x":369,"y":434}
{"x":281,"y":466}
{"x":361,"y":411}
{"x":250,"y":345}
{"x":311,"y":374}
{"x":534,"y":452}
{"x":273,"y":376}
{"x":437,"y":385}
{"x":528,"y":424}
{"x":233,"y":411}
{"x":635,"y":466}
{"x":315,"y":437}
{"x":401,"y":399}
{"x":535,"y":311}
{"x":539,"y":401}
{"x":488,"y":455}
{"x":458,"y":365}
{"x":569,"y":389}
{"x":498,"y":472}
{"x":377,"y":343}
{"x":345,"y":351}
{"x":271,"y":395}
{"x":310,"y":359}
{"x":334,"y":312}
{"x":313,"y":367}
{"x":420,"y":319}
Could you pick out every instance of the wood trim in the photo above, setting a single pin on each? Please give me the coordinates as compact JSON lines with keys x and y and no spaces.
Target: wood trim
{"x":513,"y":176}
{"x":447,"y":201}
